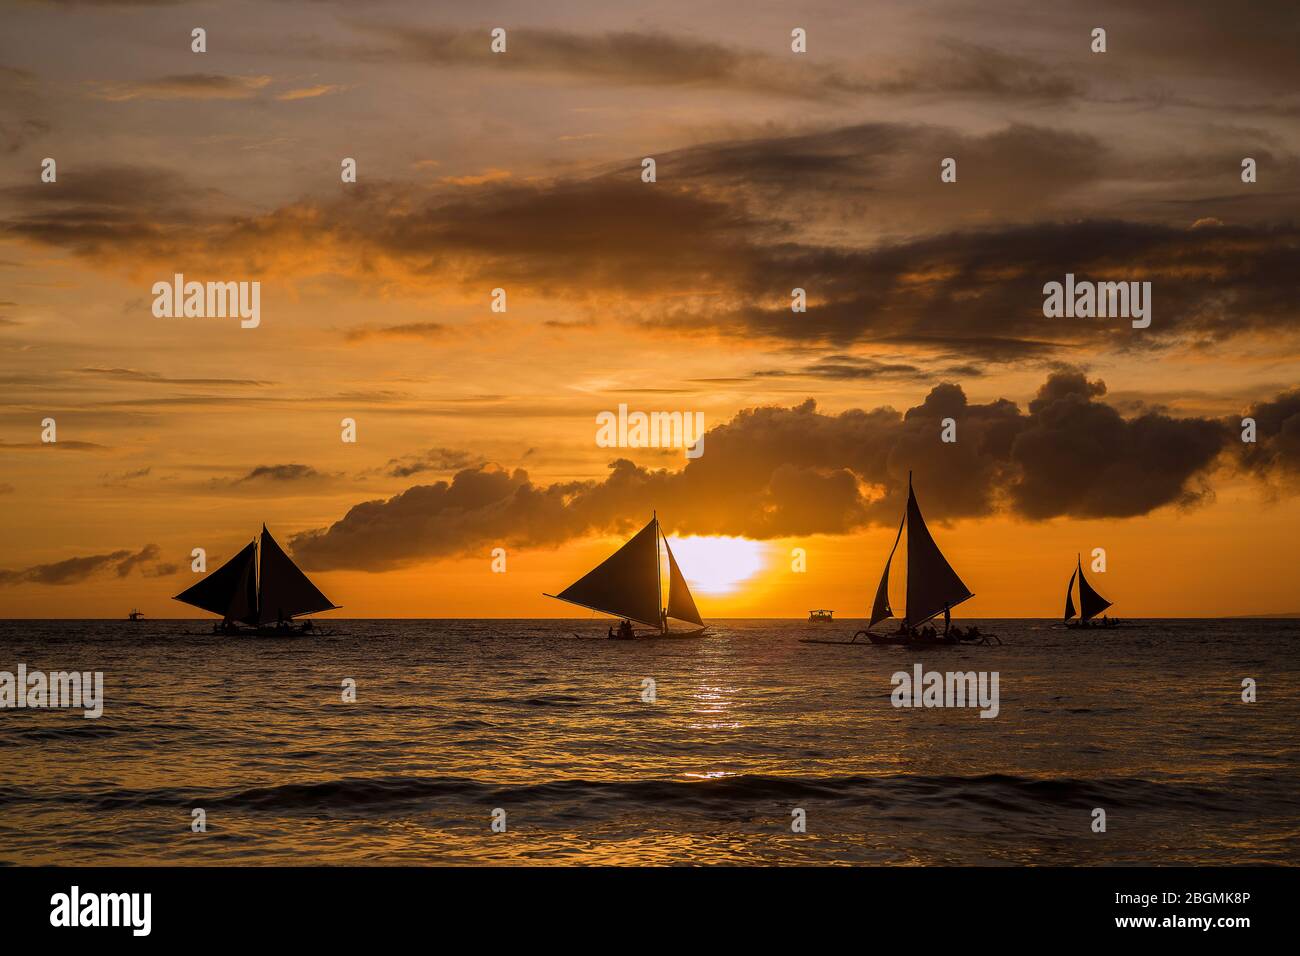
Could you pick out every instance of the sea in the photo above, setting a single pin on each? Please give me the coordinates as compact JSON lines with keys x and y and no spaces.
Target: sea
{"x":540,"y":742}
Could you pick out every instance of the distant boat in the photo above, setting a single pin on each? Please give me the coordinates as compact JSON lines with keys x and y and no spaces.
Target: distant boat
{"x":932,"y":587}
{"x":628,"y":584}
{"x":820,"y":616}
{"x":135,"y":615}
{"x":1090,"y":602}
{"x":258,"y":604}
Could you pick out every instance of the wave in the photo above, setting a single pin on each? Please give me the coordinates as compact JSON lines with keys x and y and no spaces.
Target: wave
{"x":1005,"y":793}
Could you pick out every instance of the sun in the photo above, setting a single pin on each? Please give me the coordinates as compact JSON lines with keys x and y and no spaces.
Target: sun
{"x":718,"y":565}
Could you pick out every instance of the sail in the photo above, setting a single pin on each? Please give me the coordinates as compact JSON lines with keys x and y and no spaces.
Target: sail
{"x":626,"y":584}
{"x":680,"y":603}
{"x":1090,"y":602}
{"x":286,"y":591}
{"x":880,"y":610}
{"x":231,"y":590}
{"x":1069,"y":597}
{"x":931,"y":581}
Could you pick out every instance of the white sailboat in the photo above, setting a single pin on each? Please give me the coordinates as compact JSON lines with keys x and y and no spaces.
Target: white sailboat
{"x":628,"y":584}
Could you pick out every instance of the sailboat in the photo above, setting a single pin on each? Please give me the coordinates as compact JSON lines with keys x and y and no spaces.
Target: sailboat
{"x":932,"y":586}
{"x":1090,"y":602}
{"x":258,"y":598}
{"x":628,"y":584}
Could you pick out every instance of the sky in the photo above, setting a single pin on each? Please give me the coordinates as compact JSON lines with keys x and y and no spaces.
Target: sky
{"x":774,"y":170}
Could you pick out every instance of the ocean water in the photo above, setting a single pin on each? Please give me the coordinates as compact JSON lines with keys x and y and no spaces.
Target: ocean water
{"x":454,"y":719}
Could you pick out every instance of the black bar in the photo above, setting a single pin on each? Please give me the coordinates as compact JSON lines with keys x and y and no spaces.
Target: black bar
{"x":463,"y":908}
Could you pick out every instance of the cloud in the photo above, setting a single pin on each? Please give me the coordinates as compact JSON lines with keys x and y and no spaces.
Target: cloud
{"x":75,"y":570}
{"x":184,"y":86}
{"x":279,"y":473}
{"x":65,"y":445}
{"x":22,"y":115}
{"x":405,"y":331}
{"x":776,"y":472}
{"x":435,"y":459}
{"x":717,"y":245}
{"x":153,"y":378}
{"x":122,"y":478}
{"x":648,"y":58}
{"x":1275,"y":455}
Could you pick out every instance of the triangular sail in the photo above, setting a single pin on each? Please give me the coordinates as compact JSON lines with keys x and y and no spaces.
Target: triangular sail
{"x":286,"y":591}
{"x":931,"y":581}
{"x":880,"y":610}
{"x":231,"y":590}
{"x":1090,"y":602}
{"x":626,"y":584}
{"x":680,"y":603}
{"x":1069,"y":597}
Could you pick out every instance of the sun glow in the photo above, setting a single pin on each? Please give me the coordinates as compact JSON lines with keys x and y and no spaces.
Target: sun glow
{"x":718,"y":565}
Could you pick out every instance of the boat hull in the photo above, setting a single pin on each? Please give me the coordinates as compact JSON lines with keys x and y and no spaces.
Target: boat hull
{"x":659,"y":636}
{"x":268,"y":632}
{"x":903,"y":640}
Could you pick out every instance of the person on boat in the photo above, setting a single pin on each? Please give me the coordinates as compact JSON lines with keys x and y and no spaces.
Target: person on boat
{"x":611,"y":632}
{"x":956,"y":633}
{"x":973,"y":634}
{"x":625,"y":629}
{"x":947,"y":618}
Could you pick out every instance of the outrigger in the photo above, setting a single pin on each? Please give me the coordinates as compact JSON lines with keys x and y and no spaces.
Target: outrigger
{"x":933,"y":588}
{"x":1090,"y":604}
{"x":628,"y":584}
{"x":259,"y":598}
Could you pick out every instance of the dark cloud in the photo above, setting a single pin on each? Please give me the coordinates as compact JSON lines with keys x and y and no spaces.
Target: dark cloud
{"x":614,"y":244}
{"x":69,"y":445}
{"x":408,"y":330}
{"x":1209,"y":38}
{"x":153,"y":378}
{"x":186,"y":86}
{"x":1275,"y":454}
{"x":125,"y":477}
{"x":773,"y":472}
{"x":279,"y":473}
{"x":74,"y":570}
{"x":435,"y":459}
{"x":659,"y":59}
{"x":22,"y":116}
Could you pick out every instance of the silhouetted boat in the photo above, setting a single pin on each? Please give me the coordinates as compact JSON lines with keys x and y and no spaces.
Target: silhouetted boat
{"x":820,"y":616}
{"x":1090,"y":602}
{"x":135,"y":615}
{"x":628,"y":584}
{"x":932,"y":587}
{"x":258,"y":598}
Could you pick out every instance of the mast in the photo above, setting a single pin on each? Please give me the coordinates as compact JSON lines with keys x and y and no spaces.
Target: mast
{"x":659,"y":585}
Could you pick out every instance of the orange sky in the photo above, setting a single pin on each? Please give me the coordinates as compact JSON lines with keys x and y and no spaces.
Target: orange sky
{"x":522,"y":171}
